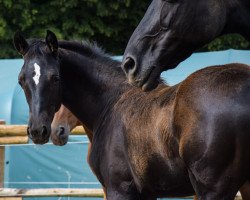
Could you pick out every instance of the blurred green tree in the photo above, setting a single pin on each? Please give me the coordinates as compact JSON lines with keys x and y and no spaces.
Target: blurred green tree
{"x":231,"y":41}
{"x":109,"y":23}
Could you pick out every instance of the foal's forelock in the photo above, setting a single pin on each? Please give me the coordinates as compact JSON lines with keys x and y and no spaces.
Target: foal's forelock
{"x":36,"y":47}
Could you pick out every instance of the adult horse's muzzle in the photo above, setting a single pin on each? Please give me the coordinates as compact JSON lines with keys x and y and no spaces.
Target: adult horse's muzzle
{"x":147,"y":79}
{"x":39,"y":134}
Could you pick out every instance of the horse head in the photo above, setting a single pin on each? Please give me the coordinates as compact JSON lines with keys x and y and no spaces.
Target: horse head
{"x":40,"y":80}
{"x":168,"y":33}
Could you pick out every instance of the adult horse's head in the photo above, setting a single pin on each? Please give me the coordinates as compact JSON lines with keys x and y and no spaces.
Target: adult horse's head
{"x":40,"y":80}
{"x":168,"y":33}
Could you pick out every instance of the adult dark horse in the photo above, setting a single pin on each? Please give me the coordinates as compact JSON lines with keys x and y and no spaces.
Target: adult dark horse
{"x":172,"y":30}
{"x":145,"y":145}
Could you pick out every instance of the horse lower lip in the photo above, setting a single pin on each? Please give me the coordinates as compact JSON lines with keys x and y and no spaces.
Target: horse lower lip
{"x":148,"y":79}
{"x":150,"y":85}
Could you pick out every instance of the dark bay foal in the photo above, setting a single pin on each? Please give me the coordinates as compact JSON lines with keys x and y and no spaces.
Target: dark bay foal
{"x":145,"y":145}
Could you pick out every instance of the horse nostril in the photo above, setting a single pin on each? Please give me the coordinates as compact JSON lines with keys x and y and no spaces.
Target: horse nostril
{"x":61,"y":131}
{"x":129,"y":66}
{"x":44,"y":131}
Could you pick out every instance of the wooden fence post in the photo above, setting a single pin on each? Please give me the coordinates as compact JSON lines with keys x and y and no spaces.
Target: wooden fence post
{"x":2,"y":152}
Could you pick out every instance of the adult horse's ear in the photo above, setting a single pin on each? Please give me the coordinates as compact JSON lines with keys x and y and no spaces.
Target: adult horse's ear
{"x":20,"y":43}
{"x":51,"y":41}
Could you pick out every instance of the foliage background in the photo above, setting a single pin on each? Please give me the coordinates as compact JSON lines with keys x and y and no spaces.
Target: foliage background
{"x":108,"y":22}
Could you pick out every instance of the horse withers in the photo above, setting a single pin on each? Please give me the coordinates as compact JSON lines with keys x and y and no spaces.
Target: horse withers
{"x":173,"y":141}
{"x":171,"y":30}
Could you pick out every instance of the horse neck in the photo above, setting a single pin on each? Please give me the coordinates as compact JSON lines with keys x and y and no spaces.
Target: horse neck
{"x":238,"y":17}
{"x":89,"y":85}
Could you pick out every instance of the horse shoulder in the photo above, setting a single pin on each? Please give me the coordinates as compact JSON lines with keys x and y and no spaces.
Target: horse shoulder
{"x":150,"y":147}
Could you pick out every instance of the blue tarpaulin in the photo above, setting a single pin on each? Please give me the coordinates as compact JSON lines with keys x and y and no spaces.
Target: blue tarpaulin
{"x":35,"y":166}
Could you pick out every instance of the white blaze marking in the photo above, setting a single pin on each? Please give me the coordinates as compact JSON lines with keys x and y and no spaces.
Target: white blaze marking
{"x":37,"y":73}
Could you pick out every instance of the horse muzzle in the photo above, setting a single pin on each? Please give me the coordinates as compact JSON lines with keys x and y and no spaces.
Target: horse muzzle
{"x":39,"y":134}
{"x":60,"y":135}
{"x":145,"y":78}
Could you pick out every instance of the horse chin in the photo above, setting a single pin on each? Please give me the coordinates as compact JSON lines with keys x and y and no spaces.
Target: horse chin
{"x":40,"y":141}
{"x":151,"y":81}
{"x":60,"y":141}
{"x":150,"y":85}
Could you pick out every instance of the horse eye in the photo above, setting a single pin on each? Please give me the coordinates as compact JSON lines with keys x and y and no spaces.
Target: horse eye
{"x":55,"y":78}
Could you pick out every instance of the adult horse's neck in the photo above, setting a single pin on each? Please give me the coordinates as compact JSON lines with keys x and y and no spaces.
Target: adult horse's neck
{"x":91,"y":81}
{"x":238,"y":17}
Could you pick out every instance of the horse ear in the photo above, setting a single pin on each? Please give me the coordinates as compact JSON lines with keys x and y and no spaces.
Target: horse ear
{"x":20,"y":43}
{"x":51,"y":41}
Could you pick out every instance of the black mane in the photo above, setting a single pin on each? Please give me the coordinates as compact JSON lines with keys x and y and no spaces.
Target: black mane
{"x":92,"y":51}
{"x":85,"y":47}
